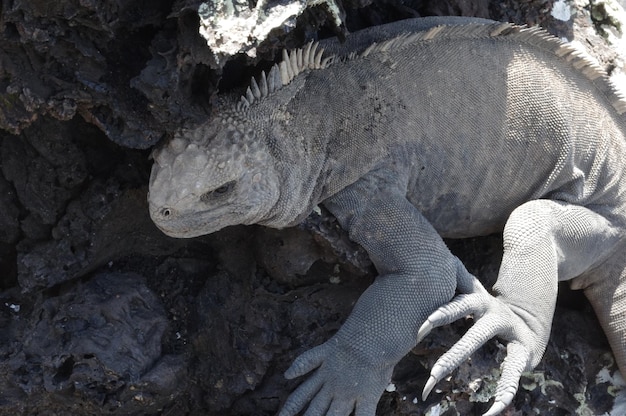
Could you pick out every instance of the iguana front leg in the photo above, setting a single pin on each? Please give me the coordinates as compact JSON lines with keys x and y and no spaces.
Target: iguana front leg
{"x":417,"y":275}
{"x":544,"y":241}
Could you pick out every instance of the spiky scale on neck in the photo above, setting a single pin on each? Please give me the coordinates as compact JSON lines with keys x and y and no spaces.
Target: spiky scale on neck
{"x":293,"y":64}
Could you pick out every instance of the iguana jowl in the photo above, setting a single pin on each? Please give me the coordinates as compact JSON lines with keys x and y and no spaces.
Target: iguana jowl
{"x":453,"y":131}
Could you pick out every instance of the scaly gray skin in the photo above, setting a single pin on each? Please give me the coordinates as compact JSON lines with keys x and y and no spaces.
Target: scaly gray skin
{"x":456,"y":132}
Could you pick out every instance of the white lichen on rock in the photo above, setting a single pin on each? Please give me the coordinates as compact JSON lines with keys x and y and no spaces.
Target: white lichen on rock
{"x":611,"y":17}
{"x":614,"y":30}
{"x":616,"y":387}
{"x":609,"y":13}
{"x":561,"y":10}
{"x":231,"y":26}
{"x":538,"y":379}
{"x":603,"y":21}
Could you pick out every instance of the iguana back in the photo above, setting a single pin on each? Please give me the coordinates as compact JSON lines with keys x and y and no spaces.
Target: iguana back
{"x":477,"y":119}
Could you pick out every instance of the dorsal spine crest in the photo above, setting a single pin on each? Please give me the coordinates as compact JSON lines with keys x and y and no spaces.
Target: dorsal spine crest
{"x":534,"y":36}
{"x":293,"y":63}
{"x":310,"y":57}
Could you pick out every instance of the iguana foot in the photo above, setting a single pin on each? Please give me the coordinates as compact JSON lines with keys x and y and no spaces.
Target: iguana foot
{"x":340,"y":385}
{"x":494,"y":317}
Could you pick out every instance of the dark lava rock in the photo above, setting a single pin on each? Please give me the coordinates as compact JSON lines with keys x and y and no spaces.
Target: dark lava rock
{"x":95,"y":347}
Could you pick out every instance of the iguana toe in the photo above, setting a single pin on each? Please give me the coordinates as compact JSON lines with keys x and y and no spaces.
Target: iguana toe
{"x":341,"y":407}
{"x":306,"y":362}
{"x":457,"y":308}
{"x":514,"y":364}
{"x":301,"y":396}
{"x":320,"y":404}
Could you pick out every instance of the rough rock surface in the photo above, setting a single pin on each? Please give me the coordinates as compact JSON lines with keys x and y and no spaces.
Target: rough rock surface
{"x":233,"y":26}
{"x":100,"y":313}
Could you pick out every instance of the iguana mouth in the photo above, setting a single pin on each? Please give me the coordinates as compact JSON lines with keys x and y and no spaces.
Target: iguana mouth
{"x":188,"y":225}
{"x":172,"y":230}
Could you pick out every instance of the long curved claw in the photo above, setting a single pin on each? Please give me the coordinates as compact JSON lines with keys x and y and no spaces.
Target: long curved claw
{"x":456,"y":309}
{"x":425,"y":329}
{"x":496,"y":408}
{"x":430,"y":384}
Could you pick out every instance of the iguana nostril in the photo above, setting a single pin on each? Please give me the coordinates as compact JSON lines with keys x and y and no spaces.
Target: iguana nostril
{"x":166,"y":212}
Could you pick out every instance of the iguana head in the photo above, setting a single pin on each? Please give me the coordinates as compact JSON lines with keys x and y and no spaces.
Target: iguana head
{"x":223,"y":174}
{"x":210,"y":178}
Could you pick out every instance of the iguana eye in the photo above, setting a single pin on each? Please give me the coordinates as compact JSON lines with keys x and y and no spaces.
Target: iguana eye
{"x":218,"y":192}
{"x":222,"y":189}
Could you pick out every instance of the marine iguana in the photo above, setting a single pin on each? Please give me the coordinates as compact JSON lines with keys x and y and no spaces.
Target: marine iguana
{"x":452,"y":131}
